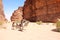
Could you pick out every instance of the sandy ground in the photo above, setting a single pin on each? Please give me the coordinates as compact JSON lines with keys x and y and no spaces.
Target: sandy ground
{"x":31,"y":32}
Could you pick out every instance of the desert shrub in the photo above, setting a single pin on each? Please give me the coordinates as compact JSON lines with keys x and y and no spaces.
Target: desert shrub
{"x":58,"y":25}
{"x":39,"y":22}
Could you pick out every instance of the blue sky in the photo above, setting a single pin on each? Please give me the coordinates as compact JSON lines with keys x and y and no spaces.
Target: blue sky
{"x":10,"y":6}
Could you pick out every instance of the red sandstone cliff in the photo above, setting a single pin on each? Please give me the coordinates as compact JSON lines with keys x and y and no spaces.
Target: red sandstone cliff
{"x":17,"y":14}
{"x":2,"y":16}
{"x":42,"y":10}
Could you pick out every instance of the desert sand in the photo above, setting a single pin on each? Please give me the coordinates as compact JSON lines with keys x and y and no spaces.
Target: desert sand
{"x":31,"y":32}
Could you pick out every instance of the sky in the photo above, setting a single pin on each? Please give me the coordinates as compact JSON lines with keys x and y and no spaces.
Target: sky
{"x":10,"y":6}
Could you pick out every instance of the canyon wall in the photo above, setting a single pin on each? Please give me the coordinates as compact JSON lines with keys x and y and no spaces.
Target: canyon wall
{"x":2,"y":16}
{"x":41,"y":10}
{"x":17,"y":14}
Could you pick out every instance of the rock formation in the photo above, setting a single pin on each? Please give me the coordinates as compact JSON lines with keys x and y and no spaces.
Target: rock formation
{"x":2,"y":16}
{"x":41,"y":10}
{"x":17,"y":14}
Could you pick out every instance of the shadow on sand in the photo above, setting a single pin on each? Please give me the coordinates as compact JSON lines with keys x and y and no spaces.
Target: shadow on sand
{"x":55,"y":30}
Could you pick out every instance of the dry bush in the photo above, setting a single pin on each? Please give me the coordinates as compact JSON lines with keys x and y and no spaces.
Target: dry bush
{"x":58,"y":25}
{"x":39,"y":22}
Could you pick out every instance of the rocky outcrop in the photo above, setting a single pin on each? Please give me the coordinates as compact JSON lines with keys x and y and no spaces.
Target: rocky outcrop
{"x":2,"y":16}
{"x":17,"y":14}
{"x":42,"y":10}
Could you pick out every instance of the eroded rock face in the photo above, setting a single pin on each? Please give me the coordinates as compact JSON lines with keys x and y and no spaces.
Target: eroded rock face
{"x":2,"y":16}
{"x":42,"y":10}
{"x":17,"y":15}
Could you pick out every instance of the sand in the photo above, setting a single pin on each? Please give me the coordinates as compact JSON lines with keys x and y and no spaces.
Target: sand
{"x":31,"y":32}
